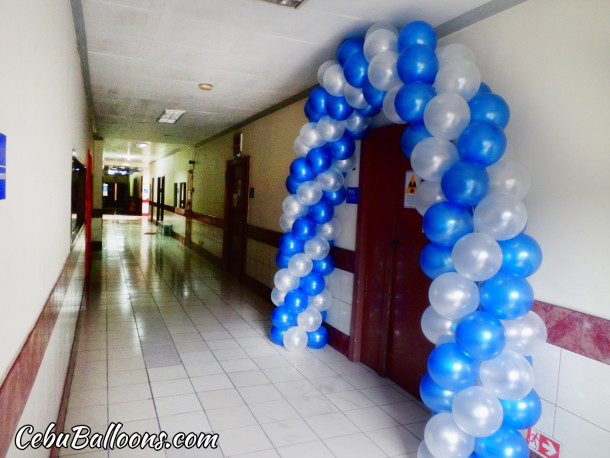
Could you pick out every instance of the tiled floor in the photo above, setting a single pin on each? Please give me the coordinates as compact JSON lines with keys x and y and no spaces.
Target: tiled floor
{"x":166,"y":344}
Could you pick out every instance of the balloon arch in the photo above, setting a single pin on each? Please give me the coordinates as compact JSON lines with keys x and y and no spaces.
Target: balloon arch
{"x":480,"y":381}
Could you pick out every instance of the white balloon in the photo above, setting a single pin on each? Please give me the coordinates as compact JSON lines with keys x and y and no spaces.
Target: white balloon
{"x":300,"y":265}
{"x":284,"y":281}
{"x":295,"y":338}
{"x":509,"y":376}
{"x":292,"y":207}
{"x":357,"y":122}
{"x":525,"y":334}
{"x":300,"y":148}
{"x":330,"y":230}
{"x":310,"y":319}
{"x":432,"y":157}
{"x":355,"y":97}
{"x":381,"y":25}
{"x":447,"y":115}
{"x":330,"y":129}
{"x":382,"y":72}
{"x":317,"y":248}
{"x":459,"y":76}
{"x":345,"y":165}
{"x":286,"y":222}
{"x":427,"y":194}
{"x":322,"y":301}
{"x":445,"y":439}
{"x":277,"y":296}
{"x":334,"y":80}
{"x":454,"y":51}
{"x":501,"y":215}
{"x":436,"y":327}
{"x":477,"y":411}
{"x":309,"y":135}
{"x":322,"y":69}
{"x":477,"y":256}
{"x":453,"y":296}
{"x":509,"y":176}
{"x":309,"y":193}
{"x":389,"y":109}
{"x":331,"y":180}
{"x":378,"y":41}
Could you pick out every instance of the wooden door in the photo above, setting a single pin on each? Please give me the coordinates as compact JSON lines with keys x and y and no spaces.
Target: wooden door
{"x":188,"y":210}
{"x":151,"y":210}
{"x":160,"y":197}
{"x":236,"y":215}
{"x":392,"y":291}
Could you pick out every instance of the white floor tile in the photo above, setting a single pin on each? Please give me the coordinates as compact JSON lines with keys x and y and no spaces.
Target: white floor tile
{"x":172,"y":405}
{"x":230,"y":417}
{"x":332,"y":425}
{"x":289,"y":432}
{"x":354,"y":446}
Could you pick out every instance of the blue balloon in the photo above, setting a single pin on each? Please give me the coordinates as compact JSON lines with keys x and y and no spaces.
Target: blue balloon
{"x":480,"y":335}
{"x":313,"y":284}
{"x":437,"y":398}
{"x":281,"y":260}
{"x":292,"y":185}
{"x":304,"y":228}
{"x":412,"y":135}
{"x":355,"y":69}
{"x":324,"y":266}
{"x":506,"y":442}
{"x":489,"y":107}
{"x":445,"y":223}
{"x":465,"y":183}
{"x":283,"y":318}
{"x":317,"y":338}
{"x":451,"y":369}
{"x":348,"y":47}
{"x":324,"y":315}
{"x":507,"y":296}
{"x":436,"y":260}
{"x":290,"y":244}
{"x":369,"y":111}
{"x":319,"y":160}
{"x":524,"y":413}
{"x":300,"y":170}
{"x":482,"y":143}
{"x":483,"y":89}
{"x":343,"y":148}
{"x":417,"y":63}
{"x":322,"y":212}
{"x":296,"y":301}
{"x":522,"y":255}
{"x":336,"y":197}
{"x":372,"y":95}
{"x":417,"y":32}
{"x":277,"y":335}
{"x":317,"y":100}
{"x":338,"y":108}
{"x":411,"y":100}
{"x":312,"y":116}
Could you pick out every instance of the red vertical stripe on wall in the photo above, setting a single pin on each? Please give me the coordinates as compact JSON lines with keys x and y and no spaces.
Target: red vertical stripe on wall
{"x":88,"y":207}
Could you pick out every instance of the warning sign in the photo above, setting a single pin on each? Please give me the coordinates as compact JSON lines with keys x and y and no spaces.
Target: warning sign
{"x":542,"y":445}
{"x":411,"y":183}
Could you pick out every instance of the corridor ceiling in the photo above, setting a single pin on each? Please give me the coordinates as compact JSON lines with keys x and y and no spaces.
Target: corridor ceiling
{"x":144,"y":56}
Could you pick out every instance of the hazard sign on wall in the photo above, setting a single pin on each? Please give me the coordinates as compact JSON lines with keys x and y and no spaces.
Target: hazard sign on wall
{"x":541,"y":444}
{"x":411,"y":183}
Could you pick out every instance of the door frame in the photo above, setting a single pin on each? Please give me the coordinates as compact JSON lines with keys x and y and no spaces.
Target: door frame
{"x":226,"y":239}
{"x":362,"y":228}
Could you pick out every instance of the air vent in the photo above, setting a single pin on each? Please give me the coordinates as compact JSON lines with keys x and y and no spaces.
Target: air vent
{"x":170,"y":116}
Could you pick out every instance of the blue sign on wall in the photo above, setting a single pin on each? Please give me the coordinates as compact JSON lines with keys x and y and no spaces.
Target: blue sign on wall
{"x":352,"y":195}
{"x":2,"y":166}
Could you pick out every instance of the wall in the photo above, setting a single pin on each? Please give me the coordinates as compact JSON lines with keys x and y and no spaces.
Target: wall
{"x":45,"y":118}
{"x":549,"y":60}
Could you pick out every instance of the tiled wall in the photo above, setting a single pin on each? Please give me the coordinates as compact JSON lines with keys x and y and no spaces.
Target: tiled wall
{"x":575,"y":394}
{"x":260,"y":262}
{"x":178,"y":222}
{"x":208,"y":237}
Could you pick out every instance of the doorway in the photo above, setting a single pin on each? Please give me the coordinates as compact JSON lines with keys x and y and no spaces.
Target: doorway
{"x":236,"y":216}
{"x":392,"y":290}
{"x":160,"y":198}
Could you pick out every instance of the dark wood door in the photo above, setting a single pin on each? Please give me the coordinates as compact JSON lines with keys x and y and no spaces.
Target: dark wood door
{"x":236,"y":214}
{"x":160,"y":197}
{"x":390,"y":239}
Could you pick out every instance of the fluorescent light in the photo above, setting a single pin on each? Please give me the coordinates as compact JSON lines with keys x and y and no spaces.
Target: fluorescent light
{"x":141,"y":144}
{"x":291,"y":3}
{"x":170,"y":116}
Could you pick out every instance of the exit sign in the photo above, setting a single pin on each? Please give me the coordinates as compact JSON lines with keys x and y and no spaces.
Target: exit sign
{"x":541,"y":444}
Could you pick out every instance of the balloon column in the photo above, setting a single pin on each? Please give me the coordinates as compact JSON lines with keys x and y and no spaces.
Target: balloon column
{"x":479,"y":382}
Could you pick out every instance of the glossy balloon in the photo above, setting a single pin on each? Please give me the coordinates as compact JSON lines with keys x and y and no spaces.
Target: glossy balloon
{"x":432,"y":157}
{"x":313,"y":284}
{"x":324,"y":266}
{"x":291,"y":184}
{"x":300,"y":265}
{"x":501,"y":215}
{"x":382,"y":72}
{"x":450,"y":368}
{"x":318,"y":338}
{"x":509,"y":176}
{"x":355,"y":97}
{"x":322,"y":70}
{"x":343,"y":148}
{"x":349,"y":47}
{"x":509,"y":376}
{"x":285,"y":281}
{"x":317,"y":100}
{"x":330,"y":129}
{"x":317,"y":248}
{"x":413,"y":134}
{"x":454,"y":51}
{"x":417,"y":33}
{"x":319,"y":159}
{"x":445,"y":439}
{"x":417,"y":63}
{"x":338,"y":108}
{"x":436,"y":260}
{"x":289,"y":244}
{"x":333,"y":81}
{"x":321,"y":212}
{"x":437,"y":328}
{"x":322,"y":301}
{"x":525,"y":334}
{"x":378,"y":41}
{"x":277,"y":335}
{"x":309,"y":193}
{"x":330,"y":230}
{"x":477,"y":411}
{"x":300,"y":170}
{"x":465,"y":184}
{"x":331,"y":180}
{"x":481,"y":336}
{"x":304,"y":228}
{"x":310,"y":320}
{"x":312,"y":115}
{"x":355,"y":69}
{"x":489,"y":107}
{"x":427,"y":194}
{"x":389,"y":108}
{"x":411,"y":100}
{"x":482,"y":143}
{"x":522,"y":413}
{"x":445,"y":223}
{"x":507,"y":442}
{"x":283,"y":318}
{"x":296,"y":300}
{"x":507,"y":296}
{"x":434,"y":396}
{"x":286,"y":222}
{"x":277,"y":297}
{"x":292,"y":207}
{"x":372,"y":95}
{"x":309,"y":135}
{"x":295,"y":338}
{"x":447,"y":115}
{"x":281,"y":260}
{"x":522,"y":255}
{"x":476,"y":256}
{"x":459,"y":76}
{"x":336,"y":197}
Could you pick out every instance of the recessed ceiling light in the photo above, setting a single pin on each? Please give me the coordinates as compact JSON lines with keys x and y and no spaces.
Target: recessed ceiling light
{"x":206,"y":86}
{"x":291,"y":3}
{"x":170,"y":116}
{"x":141,"y":144}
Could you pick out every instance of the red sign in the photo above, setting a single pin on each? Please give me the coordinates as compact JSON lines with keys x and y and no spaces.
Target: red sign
{"x":542,"y":445}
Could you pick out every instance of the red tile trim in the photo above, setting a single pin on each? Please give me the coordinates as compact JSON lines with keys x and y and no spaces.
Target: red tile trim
{"x":18,"y":383}
{"x":575,"y":331}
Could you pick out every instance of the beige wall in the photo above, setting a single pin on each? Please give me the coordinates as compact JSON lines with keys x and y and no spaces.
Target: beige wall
{"x":175,"y":170}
